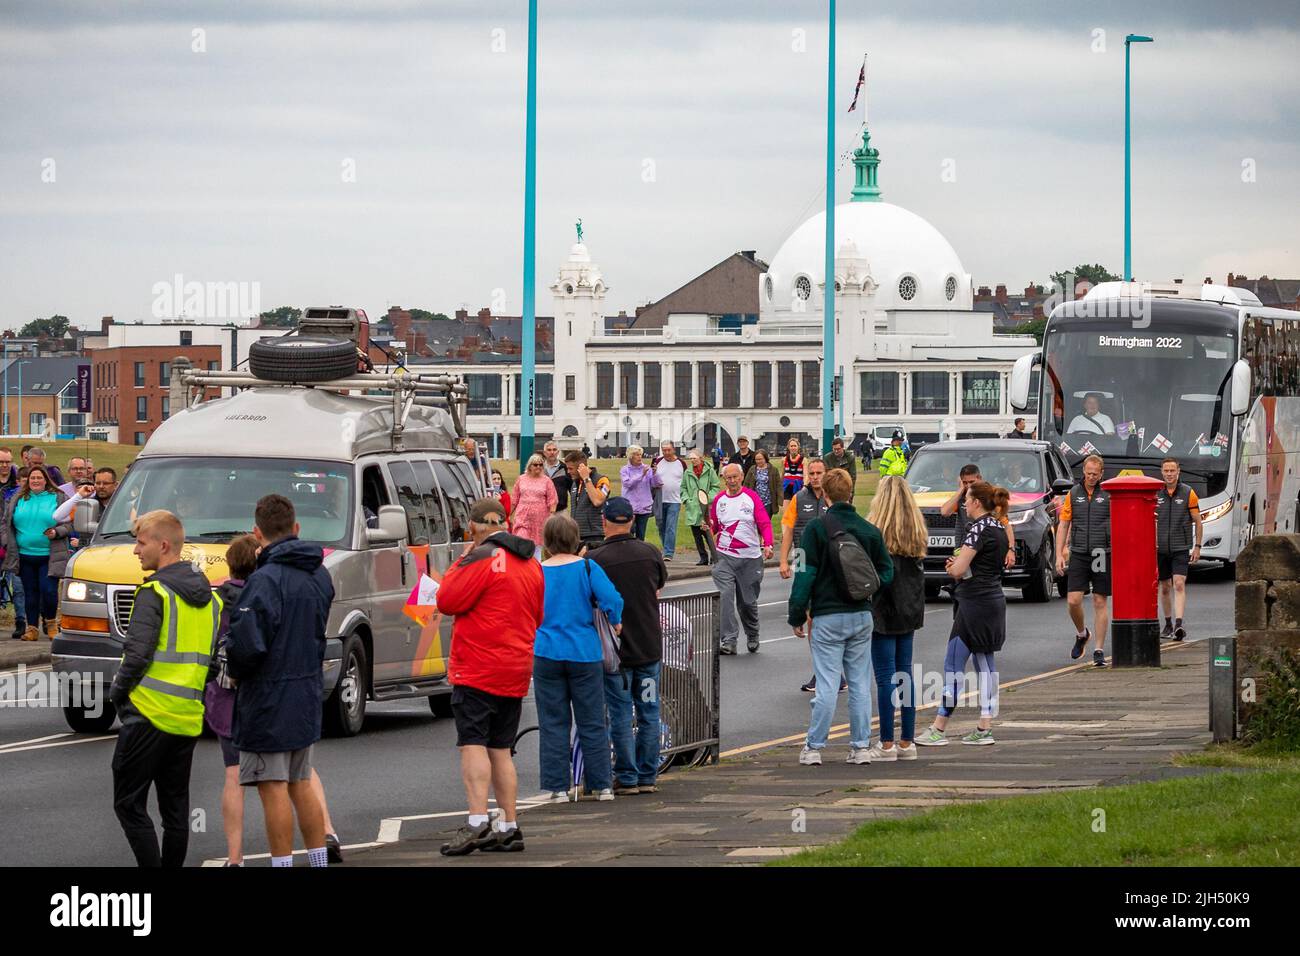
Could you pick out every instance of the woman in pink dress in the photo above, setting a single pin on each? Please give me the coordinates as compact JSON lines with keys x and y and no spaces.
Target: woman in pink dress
{"x":533,"y":500}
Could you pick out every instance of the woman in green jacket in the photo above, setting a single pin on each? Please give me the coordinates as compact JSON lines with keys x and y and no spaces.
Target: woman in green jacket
{"x":700,"y":485}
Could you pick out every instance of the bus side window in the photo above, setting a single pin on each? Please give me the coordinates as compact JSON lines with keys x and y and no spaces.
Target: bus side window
{"x":408,"y":496}
{"x":456,"y":499}
{"x":374,"y":495}
{"x":432,"y":501}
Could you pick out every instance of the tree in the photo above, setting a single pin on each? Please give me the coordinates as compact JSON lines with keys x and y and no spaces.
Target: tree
{"x":285,"y":317}
{"x":423,"y":315}
{"x":1092,"y":274}
{"x":1033,"y":327}
{"x":55,"y":327}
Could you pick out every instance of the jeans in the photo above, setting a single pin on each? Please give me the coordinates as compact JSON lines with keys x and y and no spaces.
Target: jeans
{"x":41,"y":592}
{"x":739,"y":580}
{"x":15,"y":585}
{"x":666,"y":519}
{"x":639,"y":524}
{"x":565,"y":692}
{"x":634,"y":687}
{"x":891,"y":659}
{"x":841,"y":644}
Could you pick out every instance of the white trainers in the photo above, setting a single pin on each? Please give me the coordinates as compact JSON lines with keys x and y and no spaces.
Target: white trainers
{"x":606,"y":794}
{"x":905,"y":753}
{"x":860,"y":755}
{"x":878,"y":754}
{"x":810,"y":758}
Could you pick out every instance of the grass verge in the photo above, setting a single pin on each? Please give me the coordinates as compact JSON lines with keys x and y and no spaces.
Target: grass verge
{"x":1219,"y":819}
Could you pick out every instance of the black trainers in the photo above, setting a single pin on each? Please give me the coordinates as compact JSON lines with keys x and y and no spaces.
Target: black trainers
{"x":1098,"y":658}
{"x":508,"y":841}
{"x":1168,"y":630}
{"x":1079,"y":644}
{"x":809,"y":686}
{"x":468,"y":839}
{"x":1180,"y":632}
{"x":333,"y":848}
{"x":752,"y":645}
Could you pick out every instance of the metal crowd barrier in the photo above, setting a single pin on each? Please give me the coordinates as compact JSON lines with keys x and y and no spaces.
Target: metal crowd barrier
{"x":689,"y":679}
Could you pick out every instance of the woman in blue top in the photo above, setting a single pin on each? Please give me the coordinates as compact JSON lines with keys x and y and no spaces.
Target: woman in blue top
{"x":568,"y":669}
{"x":36,"y":546}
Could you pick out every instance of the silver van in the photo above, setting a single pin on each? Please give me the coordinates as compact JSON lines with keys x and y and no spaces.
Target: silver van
{"x":373,"y":465}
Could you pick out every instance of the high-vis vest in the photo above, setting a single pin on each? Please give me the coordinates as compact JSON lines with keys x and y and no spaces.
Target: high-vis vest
{"x":1089,"y":520}
{"x":893,"y":461}
{"x":170,"y":695}
{"x":1173,"y":520}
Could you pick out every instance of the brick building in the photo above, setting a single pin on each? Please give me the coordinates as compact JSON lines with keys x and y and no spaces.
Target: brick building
{"x":729,"y":289}
{"x":130,"y":395}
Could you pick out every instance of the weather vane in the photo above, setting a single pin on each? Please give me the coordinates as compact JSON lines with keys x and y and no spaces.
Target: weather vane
{"x":578,"y":226}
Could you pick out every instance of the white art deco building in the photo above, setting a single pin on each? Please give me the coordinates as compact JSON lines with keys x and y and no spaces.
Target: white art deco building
{"x":909,"y":347}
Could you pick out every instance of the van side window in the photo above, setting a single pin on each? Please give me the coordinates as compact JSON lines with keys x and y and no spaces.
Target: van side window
{"x":432,"y":501}
{"x":468,"y":480}
{"x":408,"y":496}
{"x":374,"y":494}
{"x":456,"y":498}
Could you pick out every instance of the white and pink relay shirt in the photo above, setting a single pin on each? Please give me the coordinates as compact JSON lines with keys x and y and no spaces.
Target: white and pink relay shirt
{"x":741,"y":524}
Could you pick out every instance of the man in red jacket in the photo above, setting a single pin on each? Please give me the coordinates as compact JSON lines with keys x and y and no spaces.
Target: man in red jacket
{"x":494,"y":592}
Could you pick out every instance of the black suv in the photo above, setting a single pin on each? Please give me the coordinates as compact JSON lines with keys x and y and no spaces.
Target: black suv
{"x":1035,"y":474}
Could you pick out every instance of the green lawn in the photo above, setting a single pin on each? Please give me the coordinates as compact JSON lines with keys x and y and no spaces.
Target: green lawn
{"x":101,"y":453}
{"x":1231,"y":818}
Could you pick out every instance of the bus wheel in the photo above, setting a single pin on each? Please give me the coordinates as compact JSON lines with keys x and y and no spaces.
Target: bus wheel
{"x":82,"y":722}
{"x":345,"y":710}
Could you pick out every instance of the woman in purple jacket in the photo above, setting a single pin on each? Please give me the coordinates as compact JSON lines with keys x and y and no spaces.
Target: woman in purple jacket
{"x":638,"y":487}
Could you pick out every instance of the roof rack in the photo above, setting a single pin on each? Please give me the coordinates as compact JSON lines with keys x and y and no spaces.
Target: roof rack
{"x":436,"y":389}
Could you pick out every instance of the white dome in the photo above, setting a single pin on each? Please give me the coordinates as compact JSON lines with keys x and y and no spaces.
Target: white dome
{"x":910,"y":260}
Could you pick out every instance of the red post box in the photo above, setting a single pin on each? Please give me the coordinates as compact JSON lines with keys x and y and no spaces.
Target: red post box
{"x":1135,"y":590}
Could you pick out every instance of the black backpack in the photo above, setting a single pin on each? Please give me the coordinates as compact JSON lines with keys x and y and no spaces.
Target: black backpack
{"x":855,"y":573}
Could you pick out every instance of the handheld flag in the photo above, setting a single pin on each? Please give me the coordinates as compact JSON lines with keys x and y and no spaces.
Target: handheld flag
{"x":1161,"y":442}
{"x":422,"y":603}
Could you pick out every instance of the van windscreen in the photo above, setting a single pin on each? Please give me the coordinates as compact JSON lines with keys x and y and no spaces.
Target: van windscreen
{"x":215,"y":497}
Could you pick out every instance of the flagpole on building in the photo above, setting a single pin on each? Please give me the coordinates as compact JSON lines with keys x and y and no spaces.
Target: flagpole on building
{"x":528,"y":378}
{"x":828,"y":274}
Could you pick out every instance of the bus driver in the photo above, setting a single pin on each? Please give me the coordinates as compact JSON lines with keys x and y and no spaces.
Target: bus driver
{"x":1092,"y":420}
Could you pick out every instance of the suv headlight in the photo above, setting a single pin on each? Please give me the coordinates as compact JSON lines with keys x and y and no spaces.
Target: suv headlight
{"x":1218,"y":511}
{"x":85,"y":591}
{"x":1020,"y":517}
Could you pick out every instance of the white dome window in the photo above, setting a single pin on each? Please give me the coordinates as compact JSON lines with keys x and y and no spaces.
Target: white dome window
{"x":950,"y":288}
{"x":767,"y":287}
{"x":803,"y":288}
{"x":907,"y":288}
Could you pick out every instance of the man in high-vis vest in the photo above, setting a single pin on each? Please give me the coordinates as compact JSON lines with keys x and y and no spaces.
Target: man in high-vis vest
{"x":158,"y":691}
{"x":894,"y":460}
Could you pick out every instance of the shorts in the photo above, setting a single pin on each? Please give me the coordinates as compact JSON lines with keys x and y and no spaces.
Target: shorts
{"x":1171,"y":563}
{"x":1079,"y":575}
{"x":229,"y":755}
{"x":485,"y":720}
{"x":287,"y":766}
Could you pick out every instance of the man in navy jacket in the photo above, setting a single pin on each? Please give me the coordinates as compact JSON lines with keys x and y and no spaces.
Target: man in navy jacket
{"x":275,"y":650}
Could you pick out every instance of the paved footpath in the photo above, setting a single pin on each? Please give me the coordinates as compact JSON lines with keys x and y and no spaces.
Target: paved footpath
{"x":1081,"y":727}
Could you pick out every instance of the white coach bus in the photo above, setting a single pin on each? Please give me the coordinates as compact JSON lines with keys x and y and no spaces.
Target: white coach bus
{"x":1208,"y":376}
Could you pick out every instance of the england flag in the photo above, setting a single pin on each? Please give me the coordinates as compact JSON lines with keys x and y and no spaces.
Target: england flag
{"x":1163,"y":443}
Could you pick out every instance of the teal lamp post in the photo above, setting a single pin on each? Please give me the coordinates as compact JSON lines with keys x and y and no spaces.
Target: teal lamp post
{"x":828,"y":309}
{"x":528,"y":324}
{"x":1128,"y":162}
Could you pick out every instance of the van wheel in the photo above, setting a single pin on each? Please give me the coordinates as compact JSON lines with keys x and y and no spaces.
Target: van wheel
{"x":1039,"y":589}
{"x":440,"y":705}
{"x":83,"y":723}
{"x":931,"y":591}
{"x":345,"y":710}
{"x":302,"y":358}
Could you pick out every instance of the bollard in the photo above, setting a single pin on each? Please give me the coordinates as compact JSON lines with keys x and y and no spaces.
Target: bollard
{"x":1223,"y":688}
{"x":1135,"y":594}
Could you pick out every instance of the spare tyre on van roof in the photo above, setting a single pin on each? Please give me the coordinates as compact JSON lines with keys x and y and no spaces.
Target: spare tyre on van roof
{"x":302,"y":358}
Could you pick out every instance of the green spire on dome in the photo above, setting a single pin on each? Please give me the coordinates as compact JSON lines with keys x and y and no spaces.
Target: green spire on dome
{"x":866,"y":164}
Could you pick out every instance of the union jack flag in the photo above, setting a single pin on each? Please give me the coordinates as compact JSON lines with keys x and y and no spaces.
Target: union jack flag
{"x":1221,"y":440}
{"x":1088,"y":448}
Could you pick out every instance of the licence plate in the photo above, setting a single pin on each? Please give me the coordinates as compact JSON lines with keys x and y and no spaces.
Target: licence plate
{"x":941,"y":540}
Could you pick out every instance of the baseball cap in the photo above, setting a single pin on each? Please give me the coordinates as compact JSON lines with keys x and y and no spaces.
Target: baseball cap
{"x":483,"y":508}
{"x":617,"y":509}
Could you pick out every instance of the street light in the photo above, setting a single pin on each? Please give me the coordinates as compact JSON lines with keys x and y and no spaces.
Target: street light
{"x":1128,"y":175}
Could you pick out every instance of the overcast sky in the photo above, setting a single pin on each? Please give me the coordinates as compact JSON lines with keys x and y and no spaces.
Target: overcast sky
{"x":677,"y":135}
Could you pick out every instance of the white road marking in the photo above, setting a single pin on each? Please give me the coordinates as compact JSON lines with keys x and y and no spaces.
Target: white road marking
{"x":35,"y":740}
{"x":12,"y":749}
